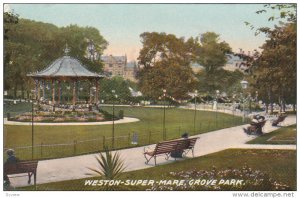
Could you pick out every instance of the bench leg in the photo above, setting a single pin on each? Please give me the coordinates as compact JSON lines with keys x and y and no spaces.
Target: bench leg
{"x":155,"y":160}
{"x":29,"y":177}
{"x":193,"y":152}
{"x":168,"y":156}
{"x":34,"y":179}
{"x":147,"y":160}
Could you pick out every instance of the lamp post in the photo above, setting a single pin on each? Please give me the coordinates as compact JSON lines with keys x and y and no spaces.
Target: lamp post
{"x":164,"y":120}
{"x":195,"y":95}
{"x":32,"y":127}
{"x":244,"y":85}
{"x":217,"y":95}
{"x":113,"y":126}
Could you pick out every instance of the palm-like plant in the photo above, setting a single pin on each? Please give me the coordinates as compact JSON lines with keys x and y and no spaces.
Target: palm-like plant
{"x":110,"y":166}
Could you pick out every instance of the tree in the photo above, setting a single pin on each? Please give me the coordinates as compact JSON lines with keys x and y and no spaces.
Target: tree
{"x":31,"y":46}
{"x":120,"y":86}
{"x":274,"y":71}
{"x":212,"y":55}
{"x":165,"y":64}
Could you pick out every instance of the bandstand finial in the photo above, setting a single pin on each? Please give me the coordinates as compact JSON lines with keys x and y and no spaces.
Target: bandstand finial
{"x":67,"y":50}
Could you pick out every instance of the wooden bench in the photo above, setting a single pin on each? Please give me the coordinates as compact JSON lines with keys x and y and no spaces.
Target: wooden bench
{"x":280,"y":118}
{"x":28,"y":167}
{"x":167,"y":147}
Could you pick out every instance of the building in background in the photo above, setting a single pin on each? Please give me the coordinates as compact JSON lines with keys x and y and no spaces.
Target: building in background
{"x":130,"y":71}
{"x":118,"y":66}
{"x":114,"y":65}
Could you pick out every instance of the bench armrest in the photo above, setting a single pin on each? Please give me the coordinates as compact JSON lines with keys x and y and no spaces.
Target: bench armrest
{"x":147,"y":149}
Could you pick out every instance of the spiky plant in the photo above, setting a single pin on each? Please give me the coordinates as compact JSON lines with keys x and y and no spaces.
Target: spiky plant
{"x":110,"y":166}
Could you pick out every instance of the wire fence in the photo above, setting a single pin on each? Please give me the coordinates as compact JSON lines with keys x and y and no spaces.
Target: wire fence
{"x":42,"y":150}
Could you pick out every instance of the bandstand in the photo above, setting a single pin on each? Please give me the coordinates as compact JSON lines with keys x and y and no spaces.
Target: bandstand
{"x":65,"y":69}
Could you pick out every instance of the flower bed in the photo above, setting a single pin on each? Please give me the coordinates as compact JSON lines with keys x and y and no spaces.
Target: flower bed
{"x":64,"y":116}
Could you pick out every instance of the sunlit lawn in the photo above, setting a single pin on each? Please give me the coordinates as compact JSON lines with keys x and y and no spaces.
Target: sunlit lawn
{"x":76,"y":140}
{"x":280,"y":165}
{"x":283,"y":135}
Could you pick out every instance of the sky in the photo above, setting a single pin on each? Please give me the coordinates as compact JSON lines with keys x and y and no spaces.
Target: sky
{"x":121,"y":24}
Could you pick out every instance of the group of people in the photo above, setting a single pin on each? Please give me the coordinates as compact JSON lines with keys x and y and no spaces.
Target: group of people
{"x":256,"y":125}
{"x":259,"y":121}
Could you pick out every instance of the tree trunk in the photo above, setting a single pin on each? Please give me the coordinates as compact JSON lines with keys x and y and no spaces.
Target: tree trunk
{"x":283,"y":106}
{"x":23,"y":92}
{"x":15,"y":91}
{"x":27,"y":95}
{"x":294,"y":107}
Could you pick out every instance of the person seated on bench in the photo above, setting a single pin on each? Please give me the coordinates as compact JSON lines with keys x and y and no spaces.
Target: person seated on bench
{"x":11,"y":159}
{"x":178,"y":153}
{"x":280,"y":118}
{"x":256,"y":125}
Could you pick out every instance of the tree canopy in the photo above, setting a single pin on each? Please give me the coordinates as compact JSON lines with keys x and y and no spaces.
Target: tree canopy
{"x":274,"y":69}
{"x":165,"y":64}
{"x":31,"y":46}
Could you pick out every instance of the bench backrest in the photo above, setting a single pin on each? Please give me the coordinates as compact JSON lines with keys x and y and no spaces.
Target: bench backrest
{"x":21,"y":167}
{"x":281,"y":118}
{"x":173,"y":145}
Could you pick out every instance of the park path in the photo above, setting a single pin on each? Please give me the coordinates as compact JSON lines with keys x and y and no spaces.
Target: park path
{"x":121,"y":121}
{"x":69,"y":168}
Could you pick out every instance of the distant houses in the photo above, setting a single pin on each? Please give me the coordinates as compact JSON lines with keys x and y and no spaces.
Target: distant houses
{"x":118,"y":66}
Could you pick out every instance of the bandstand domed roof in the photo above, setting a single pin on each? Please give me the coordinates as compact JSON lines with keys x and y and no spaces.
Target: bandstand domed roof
{"x":66,"y":66}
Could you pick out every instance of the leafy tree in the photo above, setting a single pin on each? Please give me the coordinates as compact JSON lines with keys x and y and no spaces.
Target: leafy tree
{"x":31,"y":46}
{"x":212,"y":55}
{"x":165,"y":64}
{"x":274,"y":71}
{"x":212,"y":52}
{"x":120,"y":86}
{"x":276,"y":67}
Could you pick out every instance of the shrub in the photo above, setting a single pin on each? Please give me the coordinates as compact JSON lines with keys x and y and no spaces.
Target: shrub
{"x":121,"y":114}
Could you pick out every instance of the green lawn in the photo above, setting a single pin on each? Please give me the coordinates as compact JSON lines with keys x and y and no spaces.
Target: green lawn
{"x":284,"y":135}
{"x":14,"y":109}
{"x":75,"y":140}
{"x":280,"y":165}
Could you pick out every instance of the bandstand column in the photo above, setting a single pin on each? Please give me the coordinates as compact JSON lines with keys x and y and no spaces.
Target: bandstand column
{"x":74,"y":92}
{"x":96,"y":93}
{"x":38,"y":90}
{"x":90,"y":91}
{"x":44,"y":83}
{"x":53,"y":92}
{"x":58,"y":83}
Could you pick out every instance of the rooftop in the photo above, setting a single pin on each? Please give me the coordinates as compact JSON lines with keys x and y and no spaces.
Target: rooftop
{"x":66,"y":66}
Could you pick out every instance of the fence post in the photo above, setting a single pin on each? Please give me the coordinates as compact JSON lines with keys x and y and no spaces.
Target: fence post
{"x":41,"y":150}
{"x":128,"y":139}
{"x":103,"y":142}
{"x":75,"y":142}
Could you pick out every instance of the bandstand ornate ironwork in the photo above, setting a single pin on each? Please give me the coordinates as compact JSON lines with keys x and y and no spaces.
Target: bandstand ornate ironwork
{"x":65,"y":69}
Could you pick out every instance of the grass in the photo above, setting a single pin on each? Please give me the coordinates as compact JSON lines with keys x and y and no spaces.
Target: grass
{"x":15,"y":109}
{"x":278,"y":164}
{"x":284,"y":135}
{"x":76,"y":140}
